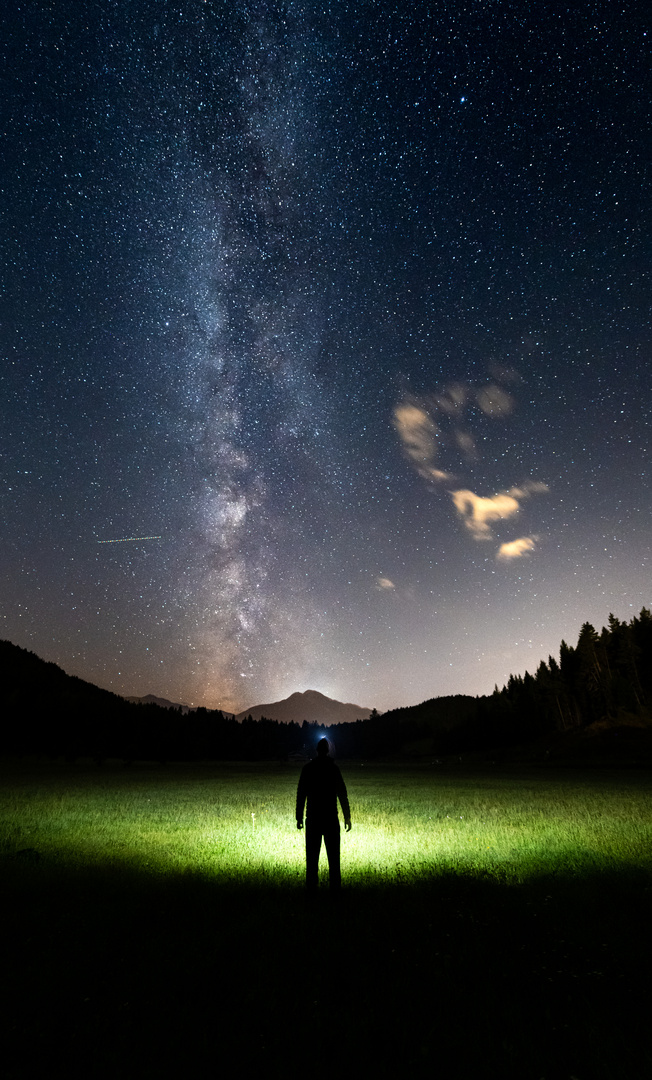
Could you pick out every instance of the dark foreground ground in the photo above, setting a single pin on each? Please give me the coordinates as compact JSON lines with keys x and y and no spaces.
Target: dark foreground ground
{"x":116,"y":976}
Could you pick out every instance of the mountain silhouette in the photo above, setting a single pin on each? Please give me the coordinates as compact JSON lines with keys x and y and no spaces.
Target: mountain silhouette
{"x":152,"y":699}
{"x":309,"y":705}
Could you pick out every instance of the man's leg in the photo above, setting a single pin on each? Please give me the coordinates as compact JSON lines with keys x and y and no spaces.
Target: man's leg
{"x":332,"y":841}
{"x":313,"y":847}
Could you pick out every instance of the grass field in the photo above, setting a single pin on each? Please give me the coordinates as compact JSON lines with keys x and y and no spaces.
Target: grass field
{"x":236,"y":823}
{"x":497,"y":923}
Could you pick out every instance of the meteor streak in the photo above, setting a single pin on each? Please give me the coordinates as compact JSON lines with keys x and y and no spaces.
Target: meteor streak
{"x":128,"y":539}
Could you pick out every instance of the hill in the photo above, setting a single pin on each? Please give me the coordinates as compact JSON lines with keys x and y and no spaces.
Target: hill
{"x":163,"y":703}
{"x":311,"y":706}
{"x":46,"y":711}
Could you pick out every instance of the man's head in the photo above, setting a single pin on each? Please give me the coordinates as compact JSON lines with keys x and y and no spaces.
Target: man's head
{"x":323,"y":747}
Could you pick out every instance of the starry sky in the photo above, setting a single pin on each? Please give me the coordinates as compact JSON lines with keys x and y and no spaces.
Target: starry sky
{"x":345,"y":307}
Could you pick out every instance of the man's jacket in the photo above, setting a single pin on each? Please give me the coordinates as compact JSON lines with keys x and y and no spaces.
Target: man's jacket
{"x":321,"y":785}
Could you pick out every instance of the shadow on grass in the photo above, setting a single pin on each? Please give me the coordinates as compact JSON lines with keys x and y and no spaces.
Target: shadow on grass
{"x":114,"y":972}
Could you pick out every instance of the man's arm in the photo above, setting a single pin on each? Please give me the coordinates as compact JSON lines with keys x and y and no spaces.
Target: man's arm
{"x":344,"y":800}
{"x":301,"y":798}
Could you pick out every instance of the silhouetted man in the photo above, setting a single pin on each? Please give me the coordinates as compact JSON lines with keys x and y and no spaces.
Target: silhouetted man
{"x":321,"y":784}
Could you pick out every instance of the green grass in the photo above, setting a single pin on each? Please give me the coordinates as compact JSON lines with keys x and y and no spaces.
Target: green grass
{"x":491,"y":925}
{"x":236,"y":823}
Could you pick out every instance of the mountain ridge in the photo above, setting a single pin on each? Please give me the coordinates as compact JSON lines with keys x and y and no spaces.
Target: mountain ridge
{"x":300,"y":705}
{"x":163,"y":703}
{"x":308,"y":705}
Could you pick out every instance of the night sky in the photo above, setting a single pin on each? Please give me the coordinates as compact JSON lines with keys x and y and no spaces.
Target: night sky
{"x":345,"y":306}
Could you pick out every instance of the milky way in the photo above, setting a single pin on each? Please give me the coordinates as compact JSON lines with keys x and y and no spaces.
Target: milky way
{"x":339,"y":314}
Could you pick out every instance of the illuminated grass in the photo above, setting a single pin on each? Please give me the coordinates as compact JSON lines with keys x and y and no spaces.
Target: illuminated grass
{"x":501,"y":921}
{"x":236,"y":823}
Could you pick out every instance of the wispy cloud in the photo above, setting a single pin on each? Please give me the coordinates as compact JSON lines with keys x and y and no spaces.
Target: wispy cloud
{"x":530,"y":487}
{"x":385,"y":583}
{"x":423,"y":437}
{"x":494,"y":401}
{"x":418,"y":434}
{"x":433,"y":424}
{"x":466,"y":444}
{"x":454,"y":399}
{"x":515,"y":549}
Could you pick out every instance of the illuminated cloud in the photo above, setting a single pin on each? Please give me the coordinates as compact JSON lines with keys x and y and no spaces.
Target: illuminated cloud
{"x":494,"y":401}
{"x":477,"y":511}
{"x":453,"y":400}
{"x":425,"y":426}
{"x":385,"y":583}
{"x":421,"y":436}
{"x":515,"y":549}
{"x":418,"y":432}
{"x":530,"y":487}
{"x":466,"y":444}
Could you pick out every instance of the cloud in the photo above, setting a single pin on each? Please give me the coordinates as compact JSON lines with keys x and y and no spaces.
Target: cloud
{"x":505,"y":374}
{"x":439,"y":422}
{"x":466,"y":444}
{"x":494,"y":401}
{"x":530,"y":487}
{"x":453,"y":400}
{"x":421,"y":436}
{"x":477,"y":511}
{"x":418,"y":433}
{"x":385,"y":583}
{"x":515,"y":549}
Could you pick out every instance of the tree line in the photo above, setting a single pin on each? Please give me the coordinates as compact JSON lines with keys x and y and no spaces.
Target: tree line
{"x":606,"y":676}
